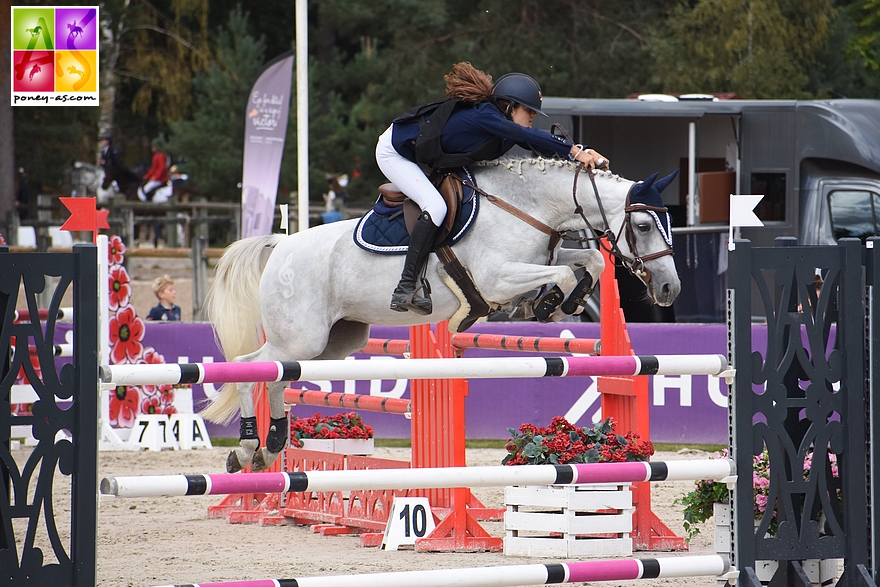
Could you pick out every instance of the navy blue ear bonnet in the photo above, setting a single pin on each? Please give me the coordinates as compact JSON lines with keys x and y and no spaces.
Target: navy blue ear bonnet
{"x":647,"y":193}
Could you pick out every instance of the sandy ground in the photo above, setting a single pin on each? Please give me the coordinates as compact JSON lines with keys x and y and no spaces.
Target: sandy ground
{"x":162,"y":541}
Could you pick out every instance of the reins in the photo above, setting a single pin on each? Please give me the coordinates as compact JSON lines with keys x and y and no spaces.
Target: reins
{"x":635,"y":264}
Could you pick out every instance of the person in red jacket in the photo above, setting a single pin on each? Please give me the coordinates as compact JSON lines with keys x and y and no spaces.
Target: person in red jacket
{"x":157,"y":175}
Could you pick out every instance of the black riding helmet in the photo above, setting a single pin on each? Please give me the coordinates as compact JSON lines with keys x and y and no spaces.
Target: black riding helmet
{"x":518,"y":88}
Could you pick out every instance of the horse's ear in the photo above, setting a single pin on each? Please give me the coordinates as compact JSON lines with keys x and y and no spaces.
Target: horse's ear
{"x":661,"y":185}
{"x":642,"y":187}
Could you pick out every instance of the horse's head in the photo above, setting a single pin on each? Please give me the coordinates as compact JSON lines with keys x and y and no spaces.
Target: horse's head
{"x":648,"y":237}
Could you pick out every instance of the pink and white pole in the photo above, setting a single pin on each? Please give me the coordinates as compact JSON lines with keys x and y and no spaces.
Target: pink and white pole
{"x":713,"y":565}
{"x":418,"y":478}
{"x":475,"y":368}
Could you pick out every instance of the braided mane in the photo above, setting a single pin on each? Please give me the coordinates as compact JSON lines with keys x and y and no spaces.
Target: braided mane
{"x":516,"y":164}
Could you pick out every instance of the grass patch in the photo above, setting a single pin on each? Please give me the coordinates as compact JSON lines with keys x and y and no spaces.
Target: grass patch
{"x":671,"y":447}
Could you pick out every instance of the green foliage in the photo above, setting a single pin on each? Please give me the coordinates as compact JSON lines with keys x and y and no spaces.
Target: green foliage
{"x":866,"y":42}
{"x":756,"y":48}
{"x":212,"y":142}
{"x":698,"y":505}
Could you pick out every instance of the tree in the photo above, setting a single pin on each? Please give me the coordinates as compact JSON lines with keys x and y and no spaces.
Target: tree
{"x":212,"y":141}
{"x":866,"y":41}
{"x":756,"y":48}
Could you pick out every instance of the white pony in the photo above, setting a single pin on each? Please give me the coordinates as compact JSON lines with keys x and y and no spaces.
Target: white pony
{"x":314,"y":294}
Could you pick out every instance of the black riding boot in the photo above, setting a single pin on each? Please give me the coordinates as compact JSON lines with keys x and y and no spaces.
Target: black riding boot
{"x":407,"y":295}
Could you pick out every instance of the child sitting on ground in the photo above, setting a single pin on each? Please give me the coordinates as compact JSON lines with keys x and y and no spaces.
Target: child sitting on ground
{"x":163,"y":287}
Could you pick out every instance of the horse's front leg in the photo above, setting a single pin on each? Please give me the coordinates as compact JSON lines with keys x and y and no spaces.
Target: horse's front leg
{"x":512,"y":279}
{"x":276,"y":437}
{"x":593,"y":263}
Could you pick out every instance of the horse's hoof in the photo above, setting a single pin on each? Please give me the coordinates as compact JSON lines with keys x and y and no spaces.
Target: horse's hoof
{"x":263,"y":459}
{"x":579,"y":295}
{"x":548,"y":303}
{"x":233,"y":465}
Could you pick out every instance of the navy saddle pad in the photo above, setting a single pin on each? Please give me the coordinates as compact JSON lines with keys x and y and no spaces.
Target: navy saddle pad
{"x":383,"y":230}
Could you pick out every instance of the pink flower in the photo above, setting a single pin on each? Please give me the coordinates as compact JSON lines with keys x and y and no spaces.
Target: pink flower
{"x":116,"y":250}
{"x":120,"y":288}
{"x":126,"y":334}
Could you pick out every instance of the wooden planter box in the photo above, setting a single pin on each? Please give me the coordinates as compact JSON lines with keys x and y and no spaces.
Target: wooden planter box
{"x":821,"y":572}
{"x":568,"y":520}
{"x":345,"y":446}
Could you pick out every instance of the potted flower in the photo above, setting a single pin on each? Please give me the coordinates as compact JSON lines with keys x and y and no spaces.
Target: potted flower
{"x":561,"y":442}
{"x":710,"y":498}
{"x":343,"y":433}
{"x":591,"y":520}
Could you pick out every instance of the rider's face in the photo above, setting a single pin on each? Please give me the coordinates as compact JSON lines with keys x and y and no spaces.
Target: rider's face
{"x":523,"y":115}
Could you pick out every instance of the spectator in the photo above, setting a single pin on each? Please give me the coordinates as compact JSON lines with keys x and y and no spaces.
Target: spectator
{"x":165,"y":311}
{"x":336,"y":197}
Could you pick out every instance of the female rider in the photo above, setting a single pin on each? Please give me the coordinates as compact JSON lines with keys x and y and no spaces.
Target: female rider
{"x":484,"y":123}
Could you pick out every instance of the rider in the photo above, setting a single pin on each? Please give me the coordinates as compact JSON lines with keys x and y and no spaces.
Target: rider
{"x":157,"y":175}
{"x":482,"y":122}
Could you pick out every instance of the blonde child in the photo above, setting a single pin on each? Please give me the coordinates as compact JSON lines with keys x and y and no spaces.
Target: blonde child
{"x":163,"y":287}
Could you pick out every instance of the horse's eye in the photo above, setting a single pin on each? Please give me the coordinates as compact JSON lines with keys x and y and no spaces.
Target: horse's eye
{"x":644,"y":226}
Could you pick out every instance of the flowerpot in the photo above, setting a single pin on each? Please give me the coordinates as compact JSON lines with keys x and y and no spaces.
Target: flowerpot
{"x":320,"y":444}
{"x":568,"y":520}
{"x":353,"y":446}
{"x":346,"y":446}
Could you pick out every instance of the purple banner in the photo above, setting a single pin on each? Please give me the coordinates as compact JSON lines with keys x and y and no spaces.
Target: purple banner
{"x":684,"y":409}
{"x":265,"y":130}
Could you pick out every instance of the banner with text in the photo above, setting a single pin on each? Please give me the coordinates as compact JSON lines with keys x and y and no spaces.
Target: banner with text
{"x":265,"y":130}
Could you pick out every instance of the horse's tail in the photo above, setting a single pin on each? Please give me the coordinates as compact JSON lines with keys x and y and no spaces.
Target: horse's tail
{"x":233,"y":307}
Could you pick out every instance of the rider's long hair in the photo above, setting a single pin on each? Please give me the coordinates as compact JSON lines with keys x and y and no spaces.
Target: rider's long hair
{"x":468,"y":83}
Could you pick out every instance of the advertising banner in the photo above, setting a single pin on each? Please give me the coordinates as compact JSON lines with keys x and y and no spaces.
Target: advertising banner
{"x":265,"y":130}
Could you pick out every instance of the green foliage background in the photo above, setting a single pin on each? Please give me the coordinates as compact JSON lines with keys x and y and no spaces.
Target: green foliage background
{"x":184,"y":68}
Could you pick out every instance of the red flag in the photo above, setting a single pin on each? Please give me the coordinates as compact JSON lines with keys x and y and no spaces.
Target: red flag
{"x":84,"y":215}
{"x":101,"y":219}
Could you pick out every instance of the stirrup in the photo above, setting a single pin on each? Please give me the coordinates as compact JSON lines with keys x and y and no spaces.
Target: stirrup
{"x":421,"y":304}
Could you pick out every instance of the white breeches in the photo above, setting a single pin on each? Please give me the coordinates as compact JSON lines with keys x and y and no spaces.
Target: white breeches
{"x":409,"y":178}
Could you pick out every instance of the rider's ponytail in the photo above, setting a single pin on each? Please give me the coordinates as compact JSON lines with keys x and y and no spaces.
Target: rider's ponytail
{"x":468,"y":83}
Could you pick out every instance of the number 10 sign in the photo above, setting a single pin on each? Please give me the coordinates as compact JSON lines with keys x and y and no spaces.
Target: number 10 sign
{"x":410,"y":518}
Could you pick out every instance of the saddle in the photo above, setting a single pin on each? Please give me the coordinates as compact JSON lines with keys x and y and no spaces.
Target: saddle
{"x":449,"y":186}
{"x":459,"y":202}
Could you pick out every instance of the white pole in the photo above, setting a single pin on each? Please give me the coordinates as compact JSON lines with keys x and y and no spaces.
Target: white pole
{"x":692,"y":174}
{"x":302,"y":112}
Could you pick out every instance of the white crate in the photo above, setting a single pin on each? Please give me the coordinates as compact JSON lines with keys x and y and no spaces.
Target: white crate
{"x":566,"y":521}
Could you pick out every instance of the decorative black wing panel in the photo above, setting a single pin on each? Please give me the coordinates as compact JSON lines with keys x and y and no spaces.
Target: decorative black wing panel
{"x":48,"y":498}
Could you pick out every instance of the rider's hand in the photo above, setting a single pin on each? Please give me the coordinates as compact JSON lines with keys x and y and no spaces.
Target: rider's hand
{"x":590,"y":158}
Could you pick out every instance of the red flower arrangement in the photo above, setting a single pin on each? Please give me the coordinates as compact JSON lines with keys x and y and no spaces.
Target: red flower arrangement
{"x":561,"y":442}
{"x":348,"y":425}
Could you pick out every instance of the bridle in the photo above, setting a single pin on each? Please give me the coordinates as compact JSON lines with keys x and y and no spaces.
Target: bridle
{"x":605,"y":237}
{"x":635,"y":264}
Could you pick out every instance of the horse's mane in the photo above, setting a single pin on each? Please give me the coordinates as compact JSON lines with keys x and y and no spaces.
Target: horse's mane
{"x":516,"y":164}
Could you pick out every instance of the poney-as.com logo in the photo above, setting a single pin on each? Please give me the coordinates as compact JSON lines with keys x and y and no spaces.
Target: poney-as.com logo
{"x":55,"y":56}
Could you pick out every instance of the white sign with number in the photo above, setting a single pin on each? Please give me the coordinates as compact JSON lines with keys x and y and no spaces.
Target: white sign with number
{"x":410,"y":519}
